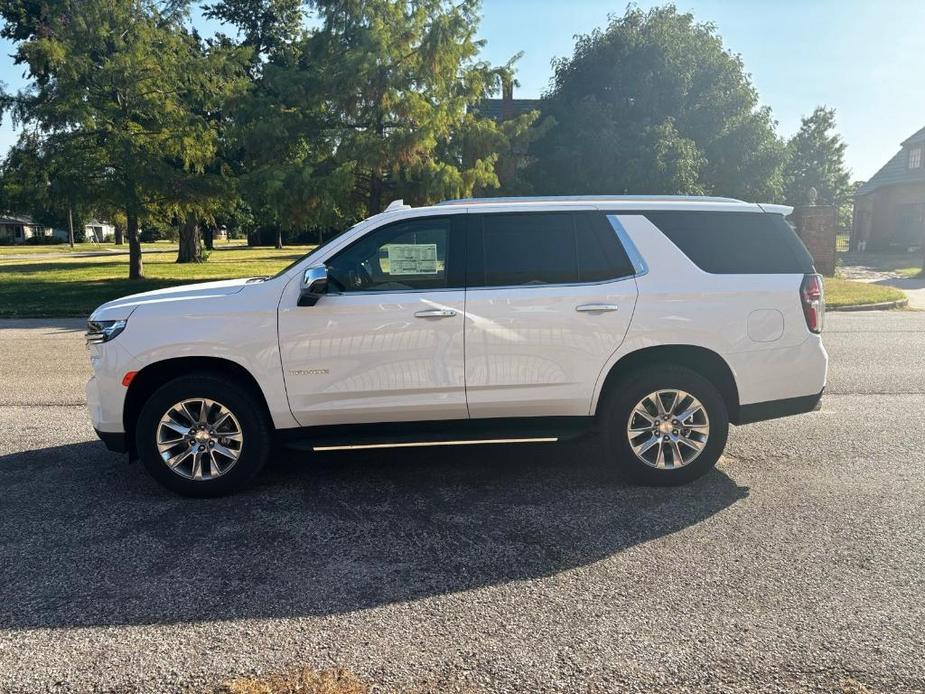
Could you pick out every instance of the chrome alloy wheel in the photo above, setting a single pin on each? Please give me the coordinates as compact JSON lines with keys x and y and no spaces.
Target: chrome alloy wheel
{"x":668,"y":429}
{"x":199,"y":439}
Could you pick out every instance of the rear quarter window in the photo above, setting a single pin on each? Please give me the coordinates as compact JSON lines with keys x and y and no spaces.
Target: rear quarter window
{"x":735,"y":243}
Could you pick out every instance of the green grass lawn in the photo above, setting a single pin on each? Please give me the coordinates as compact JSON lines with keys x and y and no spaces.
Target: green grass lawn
{"x":49,"y":287}
{"x":910,"y":272}
{"x":62,"y":248}
{"x":839,"y":292}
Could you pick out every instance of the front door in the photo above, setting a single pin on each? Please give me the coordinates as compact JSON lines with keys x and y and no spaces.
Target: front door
{"x":550,"y":298}
{"x":386,"y":343}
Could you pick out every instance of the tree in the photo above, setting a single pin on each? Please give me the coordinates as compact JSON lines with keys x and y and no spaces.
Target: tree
{"x":47,"y":183}
{"x":400,"y":76}
{"x":126,"y":89}
{"x":654,"y":103}
{"x":375,"y":103}
{"x":265,"y":25}
{"x":816,"y":159}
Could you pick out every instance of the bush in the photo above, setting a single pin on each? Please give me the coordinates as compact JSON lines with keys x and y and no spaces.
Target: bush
{"x":6,"y":240}
{"x":45,"y":240}
{"x":149,"y":234}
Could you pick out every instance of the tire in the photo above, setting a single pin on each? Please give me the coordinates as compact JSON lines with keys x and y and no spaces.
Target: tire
{"x":226,"y":463}
{"x":621,"y":404}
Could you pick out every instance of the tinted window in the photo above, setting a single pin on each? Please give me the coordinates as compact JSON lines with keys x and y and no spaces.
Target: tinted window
{"x":529,"y":249}
{"x":601,"y":257}
{"x":735,"y":242}
{"x":546,"y":248}
{"x":408,"y":255}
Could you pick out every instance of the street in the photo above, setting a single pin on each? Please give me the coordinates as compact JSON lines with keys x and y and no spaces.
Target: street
{"x":798,"y":565}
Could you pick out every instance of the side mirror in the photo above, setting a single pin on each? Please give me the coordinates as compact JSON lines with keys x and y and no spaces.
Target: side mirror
{"x":314,"y":285}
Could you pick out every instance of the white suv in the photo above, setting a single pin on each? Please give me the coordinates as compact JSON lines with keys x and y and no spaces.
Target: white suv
{"x":654,"y":321}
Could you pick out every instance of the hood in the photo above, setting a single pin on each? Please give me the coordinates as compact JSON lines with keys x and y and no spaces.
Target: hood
{"x":118,"y":309}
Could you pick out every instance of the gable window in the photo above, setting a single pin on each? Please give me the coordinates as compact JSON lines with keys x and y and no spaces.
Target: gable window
{"x":915,"y":157}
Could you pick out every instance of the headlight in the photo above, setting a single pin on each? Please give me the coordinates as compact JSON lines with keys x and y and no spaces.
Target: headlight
{"x":99,"y":331}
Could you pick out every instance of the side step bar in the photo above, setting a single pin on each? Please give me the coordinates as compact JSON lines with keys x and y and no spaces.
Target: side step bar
{"x":467,"y":432}
{"x":423,"y":444}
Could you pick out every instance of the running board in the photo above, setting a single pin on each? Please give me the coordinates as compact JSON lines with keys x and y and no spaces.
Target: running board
{"x":422,"y":444}
{"x":364,"y":437}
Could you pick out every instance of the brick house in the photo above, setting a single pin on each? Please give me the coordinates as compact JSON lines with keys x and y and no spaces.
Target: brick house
{"x":500,"y":110}
{"x":507,"y":106}
{"x":889,"y":210}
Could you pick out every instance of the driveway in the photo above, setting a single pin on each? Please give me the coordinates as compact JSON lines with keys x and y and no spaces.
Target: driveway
{"x":876,"y":269}
{"x":796,"y":566}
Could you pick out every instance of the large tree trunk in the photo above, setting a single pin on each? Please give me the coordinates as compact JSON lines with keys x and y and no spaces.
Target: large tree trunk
{"x":136,"y":269}
{"x":374,"y":204}
{"x":208,"y":237}
{"x":119,"y":233}
{"x":190,"y":242}
{"x":279,"y":237}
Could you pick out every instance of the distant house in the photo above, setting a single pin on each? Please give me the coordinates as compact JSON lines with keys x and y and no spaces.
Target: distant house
{"x":500,"y":110}
{"x":889,"y":210}
{"x":19,"y":228}
{"x":507,"y":106}
{"x":94,"y":232}
{"x":99,"y":232}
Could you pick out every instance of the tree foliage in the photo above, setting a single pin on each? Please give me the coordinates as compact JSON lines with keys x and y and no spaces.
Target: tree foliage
{"x":125,"y":88}
{"x":265,"y":25}
{"x":375,"y":103}
{"x":654,"y":103}
{"x":816,"y":159}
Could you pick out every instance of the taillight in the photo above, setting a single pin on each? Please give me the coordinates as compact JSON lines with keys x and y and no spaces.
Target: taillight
{"x":812,"y":296}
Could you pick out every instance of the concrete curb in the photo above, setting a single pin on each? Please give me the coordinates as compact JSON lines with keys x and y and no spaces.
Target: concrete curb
{"x":882,"y":306}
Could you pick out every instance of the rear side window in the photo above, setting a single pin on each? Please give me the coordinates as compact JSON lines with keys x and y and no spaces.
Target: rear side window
{"x":734,"y":243}
{"x":544,"y":248}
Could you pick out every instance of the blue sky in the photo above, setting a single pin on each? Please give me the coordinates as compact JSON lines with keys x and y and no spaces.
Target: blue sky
{"x":865,"y":59}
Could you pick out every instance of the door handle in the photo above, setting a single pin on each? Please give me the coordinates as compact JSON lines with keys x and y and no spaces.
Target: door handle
{"x":597,"y":308}
{"x":436,"y":313}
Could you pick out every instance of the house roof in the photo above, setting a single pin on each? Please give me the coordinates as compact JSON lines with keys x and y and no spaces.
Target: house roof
{"x":915,"y":139}
{"x":15,"y":219}
{"x":896,"y":171}
{"x":494,"y":108}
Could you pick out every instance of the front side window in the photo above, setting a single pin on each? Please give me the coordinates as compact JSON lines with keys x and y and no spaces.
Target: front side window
{"x":915,"y":157}
{"x":405,"y":256}
{"x":523,"y":249}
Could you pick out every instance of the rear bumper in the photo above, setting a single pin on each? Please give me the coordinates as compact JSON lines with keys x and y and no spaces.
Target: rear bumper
{"x":113,"y":440}
{"x":773,"y":409}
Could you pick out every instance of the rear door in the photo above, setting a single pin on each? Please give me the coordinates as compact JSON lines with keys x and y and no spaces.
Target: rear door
{"x":549,"y":298}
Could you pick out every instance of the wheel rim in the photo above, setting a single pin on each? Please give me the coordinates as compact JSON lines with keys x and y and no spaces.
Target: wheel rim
{"x":668,"y":429}
{"x":199,"y":439}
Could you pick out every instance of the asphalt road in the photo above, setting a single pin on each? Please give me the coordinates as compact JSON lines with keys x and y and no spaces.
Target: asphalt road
{"x":798,"y":564}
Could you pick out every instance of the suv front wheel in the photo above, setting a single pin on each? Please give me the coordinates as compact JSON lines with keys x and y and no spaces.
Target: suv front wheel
{"x":665,"y":425}
{"x":202,"y":435}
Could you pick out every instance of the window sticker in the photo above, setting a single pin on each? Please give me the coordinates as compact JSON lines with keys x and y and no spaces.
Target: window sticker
{"x":412,"y":258}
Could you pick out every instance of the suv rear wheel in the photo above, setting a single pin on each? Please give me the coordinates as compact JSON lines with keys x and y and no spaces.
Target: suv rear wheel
{"x":665,"y":425}
{"x":202,"y":435}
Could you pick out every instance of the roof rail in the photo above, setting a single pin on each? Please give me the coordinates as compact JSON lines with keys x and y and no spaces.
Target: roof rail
{"x":588,"y":198}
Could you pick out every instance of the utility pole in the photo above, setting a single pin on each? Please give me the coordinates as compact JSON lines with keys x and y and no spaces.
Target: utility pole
{"x":70,"y":224}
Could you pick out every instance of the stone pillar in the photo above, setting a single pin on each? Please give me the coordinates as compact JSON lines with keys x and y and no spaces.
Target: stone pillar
{"x":816,"y":226}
